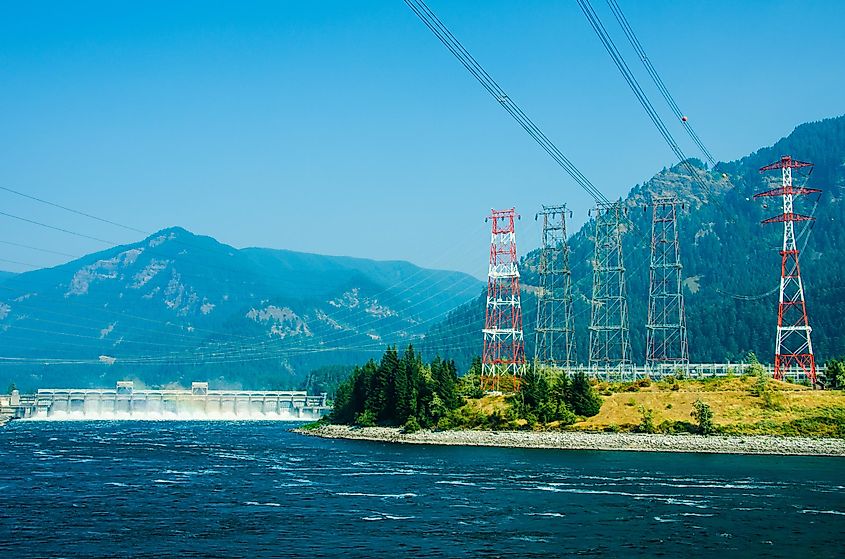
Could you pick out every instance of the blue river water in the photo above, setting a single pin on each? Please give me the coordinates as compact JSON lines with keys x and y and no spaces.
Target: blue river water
{"x":230,"y":489}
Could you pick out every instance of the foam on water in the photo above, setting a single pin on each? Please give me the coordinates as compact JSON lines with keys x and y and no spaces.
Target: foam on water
{"x":188,"y":415}
{"x":383,"y":496}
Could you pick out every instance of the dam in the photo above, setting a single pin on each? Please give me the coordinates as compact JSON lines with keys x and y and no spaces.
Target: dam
{"x":125,"y":402}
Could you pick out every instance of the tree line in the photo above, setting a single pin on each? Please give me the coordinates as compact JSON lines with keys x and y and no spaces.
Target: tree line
{"x":398,"y":390}
{"x":403,"y":390}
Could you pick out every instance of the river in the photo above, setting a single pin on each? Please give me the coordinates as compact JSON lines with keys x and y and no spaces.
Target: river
{"x":252,"y":489}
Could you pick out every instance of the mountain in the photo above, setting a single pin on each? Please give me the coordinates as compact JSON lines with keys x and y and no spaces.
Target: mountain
{"x":177,"y":307}
{"x":731,"y":265}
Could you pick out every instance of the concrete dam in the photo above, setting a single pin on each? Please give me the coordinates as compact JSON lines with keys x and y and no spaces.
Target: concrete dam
{"x":125,"y":402}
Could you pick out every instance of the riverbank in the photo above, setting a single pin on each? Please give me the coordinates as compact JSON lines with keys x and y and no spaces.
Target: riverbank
{"x":579,"y":440}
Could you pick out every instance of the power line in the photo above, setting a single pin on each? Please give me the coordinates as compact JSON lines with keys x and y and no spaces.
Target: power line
{"x":10,"y":243}
{"x":639,"y":93}
{"x":54,"y":228}
{"x":658,"y":82}
{"x":78,"y":212}
{"x":34,"y":266}
{"x":436,"y":26}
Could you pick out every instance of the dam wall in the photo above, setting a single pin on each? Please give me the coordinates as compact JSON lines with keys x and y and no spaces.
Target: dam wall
{"x":199,"y":402}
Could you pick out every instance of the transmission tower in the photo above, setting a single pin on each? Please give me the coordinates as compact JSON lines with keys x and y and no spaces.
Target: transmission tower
{"x":504,"y":346}
{"x":666,"y":330}
{"x":610,"y":346}
{"x":793,"y":346}
{"x":555,"y":332}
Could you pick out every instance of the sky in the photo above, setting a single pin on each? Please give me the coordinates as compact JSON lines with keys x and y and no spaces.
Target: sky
{"x":346,"y":128}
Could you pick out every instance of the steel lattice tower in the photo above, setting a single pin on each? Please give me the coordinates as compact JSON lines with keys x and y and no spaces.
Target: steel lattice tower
{"x":666,"y":330}
{"x":610,"y":345}
{"x":555,"y":332}
{"x":793,"y":346}
{"x":504,"y":346}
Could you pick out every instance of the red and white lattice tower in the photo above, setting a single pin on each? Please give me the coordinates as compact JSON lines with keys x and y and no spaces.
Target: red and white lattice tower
{"x":793,"y":348}
{"x":504,"y":346}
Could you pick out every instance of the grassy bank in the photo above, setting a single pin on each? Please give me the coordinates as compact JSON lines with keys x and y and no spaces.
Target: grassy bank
{"x":740,"y":406}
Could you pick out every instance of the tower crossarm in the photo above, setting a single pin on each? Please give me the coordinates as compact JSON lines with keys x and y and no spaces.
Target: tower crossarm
{"x":786,"y":190}
{"x":786,"y":161}
{"x":791,"y":216}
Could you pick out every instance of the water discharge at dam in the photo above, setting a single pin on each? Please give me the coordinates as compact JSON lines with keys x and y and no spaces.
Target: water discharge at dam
{"x":125,"y":402}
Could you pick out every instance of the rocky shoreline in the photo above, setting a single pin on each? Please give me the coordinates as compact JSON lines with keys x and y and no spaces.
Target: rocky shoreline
{"x":580,"y":440}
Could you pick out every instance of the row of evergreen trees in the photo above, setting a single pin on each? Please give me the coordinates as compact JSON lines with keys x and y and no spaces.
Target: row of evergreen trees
{"x":398,"y":391}
{"x":403,"y":390}
{"x":546,"y":396}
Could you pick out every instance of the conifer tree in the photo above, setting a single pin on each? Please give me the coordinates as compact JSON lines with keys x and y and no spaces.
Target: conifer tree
{"x":381,"y":390}
{"x":582,"y":398}
{"x":405,"y":405}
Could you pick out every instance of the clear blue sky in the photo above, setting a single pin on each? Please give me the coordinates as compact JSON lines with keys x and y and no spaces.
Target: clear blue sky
{"x":346,"y":128}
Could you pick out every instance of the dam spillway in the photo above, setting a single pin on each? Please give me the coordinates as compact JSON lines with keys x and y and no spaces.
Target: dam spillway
{"x":125,"y":402}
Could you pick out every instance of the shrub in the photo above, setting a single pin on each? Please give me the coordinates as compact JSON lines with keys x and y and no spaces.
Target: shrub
{"x":315,"y":424}
{"x":463,"y":418}
{"x":703,"y":415}
{"x":549,"y":412}
{"x":366,"y":419}
{"x":771,"y":400}
{"x":674,"y":427}
{"x":411,"y":426}
{"x":646,"y":421}
{"x":497,"y":420}
{"x":761,"y":382}
{"x":834,"y":374}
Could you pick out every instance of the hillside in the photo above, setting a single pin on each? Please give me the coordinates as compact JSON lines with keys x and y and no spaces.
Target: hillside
{"x":731,"y":262}
{"x":177,"y":307}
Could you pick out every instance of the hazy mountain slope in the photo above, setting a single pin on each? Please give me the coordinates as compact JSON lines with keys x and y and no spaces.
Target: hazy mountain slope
{"x":179,"y":306}
{"x":731,"y":261}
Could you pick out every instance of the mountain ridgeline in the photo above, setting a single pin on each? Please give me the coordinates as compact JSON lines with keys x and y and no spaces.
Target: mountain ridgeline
{"x":731,"y":264}
{"x":177,"y":307}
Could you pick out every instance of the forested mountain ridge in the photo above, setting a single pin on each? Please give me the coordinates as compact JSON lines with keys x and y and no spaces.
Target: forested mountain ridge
{"x":731,"y":264}
{"x":177,"y":307}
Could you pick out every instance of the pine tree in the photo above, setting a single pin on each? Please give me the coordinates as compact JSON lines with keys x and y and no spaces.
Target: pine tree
{"x":444,"y":375}
{"x":342,"y":411}
{"x":405,"y":404}
{"x":581,"y":397}
{"x":362,"y":385}
{"x":382,"y":392}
